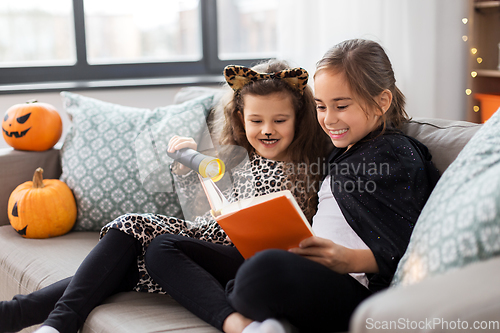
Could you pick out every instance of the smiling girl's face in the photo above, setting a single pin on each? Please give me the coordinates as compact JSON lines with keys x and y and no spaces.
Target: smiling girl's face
{"x":269,"y":124}
{"x":339,"y":112}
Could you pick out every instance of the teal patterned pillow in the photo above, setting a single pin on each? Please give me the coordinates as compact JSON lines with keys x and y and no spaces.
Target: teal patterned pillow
{"x":112,"y":154}
{"x":460,"y":223}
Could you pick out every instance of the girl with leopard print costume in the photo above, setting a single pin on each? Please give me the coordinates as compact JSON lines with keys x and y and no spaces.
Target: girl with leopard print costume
{"x":273,"y":119}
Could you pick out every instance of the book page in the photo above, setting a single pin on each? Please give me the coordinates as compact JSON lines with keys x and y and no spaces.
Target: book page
{"x":249,"y":202}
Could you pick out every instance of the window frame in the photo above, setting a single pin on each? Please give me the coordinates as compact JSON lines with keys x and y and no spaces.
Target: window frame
{"x":83,"y":75}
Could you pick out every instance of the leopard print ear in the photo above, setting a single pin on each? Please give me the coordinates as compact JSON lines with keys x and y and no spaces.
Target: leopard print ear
{"x":238,"y":76}
{"x":296,"y":77}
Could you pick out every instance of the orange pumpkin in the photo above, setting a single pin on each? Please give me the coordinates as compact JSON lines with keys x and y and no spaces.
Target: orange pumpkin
{"x":42,"y":208}
{"x":32,"y":126}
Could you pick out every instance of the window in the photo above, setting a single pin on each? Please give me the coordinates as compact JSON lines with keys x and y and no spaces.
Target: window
{"x":89,"y":41}
{"x":133,"y":32}
{"x":247,"y":28}
{"x":36,"y":33}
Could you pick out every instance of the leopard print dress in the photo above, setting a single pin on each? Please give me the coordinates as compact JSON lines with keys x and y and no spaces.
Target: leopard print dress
{"x":258,"y":176}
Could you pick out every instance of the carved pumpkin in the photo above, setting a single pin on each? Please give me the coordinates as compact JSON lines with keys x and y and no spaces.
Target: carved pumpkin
{"x":32,"y":126}
{"x":42,"y":208}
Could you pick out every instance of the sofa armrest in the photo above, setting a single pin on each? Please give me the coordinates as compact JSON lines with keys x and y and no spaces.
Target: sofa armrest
{"x":463,"y":297}
{"x":18,"y":167}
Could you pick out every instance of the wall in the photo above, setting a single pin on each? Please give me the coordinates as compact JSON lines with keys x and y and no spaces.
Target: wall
{"x":423,"y":40}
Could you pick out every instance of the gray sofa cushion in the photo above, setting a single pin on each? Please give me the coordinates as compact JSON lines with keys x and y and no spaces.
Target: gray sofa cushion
{"x":27,"y":265}
{"x":444,"y":138}
{"x":134,"y":312}
{"x":31,"y":264}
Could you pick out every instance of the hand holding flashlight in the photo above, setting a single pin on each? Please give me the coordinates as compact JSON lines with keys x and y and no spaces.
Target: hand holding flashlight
{"x":177,"y":143}
{"x":181,"y":150}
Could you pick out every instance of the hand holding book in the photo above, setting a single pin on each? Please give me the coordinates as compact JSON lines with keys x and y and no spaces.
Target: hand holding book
{"x":273,"y":220}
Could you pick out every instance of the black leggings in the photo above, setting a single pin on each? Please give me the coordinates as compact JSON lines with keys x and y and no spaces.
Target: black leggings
{"x":271,"y":284}
{"x":196,"y":274}
{"x":109,"y":268}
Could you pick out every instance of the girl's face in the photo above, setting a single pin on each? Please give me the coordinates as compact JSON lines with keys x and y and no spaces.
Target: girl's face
{"x":339,"y":113}
{"x":269,"y":124}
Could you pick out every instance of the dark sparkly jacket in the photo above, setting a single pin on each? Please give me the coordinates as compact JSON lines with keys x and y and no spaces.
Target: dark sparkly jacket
{"x":381,"y":185}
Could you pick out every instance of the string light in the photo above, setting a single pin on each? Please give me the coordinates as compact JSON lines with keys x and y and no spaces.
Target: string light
{"x":465,"y":38}
{"x":468,"y":91}
{"x":465,"y":20}
{"x":476,"y":108}
{"x":473,"y":50}
{"x":479,"y":60}
{"x":473,"y":73}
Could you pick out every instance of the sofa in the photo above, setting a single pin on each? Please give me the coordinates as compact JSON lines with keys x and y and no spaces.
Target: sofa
{"x":469,"y":290}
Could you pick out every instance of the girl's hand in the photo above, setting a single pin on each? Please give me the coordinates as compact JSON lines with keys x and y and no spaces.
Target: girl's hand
{"x":180,"y":142}
{"x":336,"y":257}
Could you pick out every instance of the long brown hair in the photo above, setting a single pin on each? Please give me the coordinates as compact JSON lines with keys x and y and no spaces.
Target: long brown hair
{"x":309,"y":145}
{"x":368,"y":71}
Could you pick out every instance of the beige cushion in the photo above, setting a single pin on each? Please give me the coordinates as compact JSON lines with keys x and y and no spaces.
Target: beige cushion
{"x":444,"y":138}
{"x":133,"y":312}
{"x":27,"y":265}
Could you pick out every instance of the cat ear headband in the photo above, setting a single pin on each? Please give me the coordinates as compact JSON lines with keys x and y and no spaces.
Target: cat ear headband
{"x":238,"y":76}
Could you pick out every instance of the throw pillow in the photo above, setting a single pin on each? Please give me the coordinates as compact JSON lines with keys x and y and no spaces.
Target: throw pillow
{"x":460,"y":222}
{"x":114,"y":157}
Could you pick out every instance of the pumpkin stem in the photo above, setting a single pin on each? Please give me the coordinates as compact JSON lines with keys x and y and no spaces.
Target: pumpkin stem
{"x":38,"y":178}
{"x":31,"y":101}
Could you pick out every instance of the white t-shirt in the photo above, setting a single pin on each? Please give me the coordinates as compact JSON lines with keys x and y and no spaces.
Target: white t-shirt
{"x":330,"y":223}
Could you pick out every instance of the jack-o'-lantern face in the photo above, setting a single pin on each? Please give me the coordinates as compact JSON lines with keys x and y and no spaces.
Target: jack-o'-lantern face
{"x":14,"y":213}
{"x":32,"y":126}
{"x":19,"y":120}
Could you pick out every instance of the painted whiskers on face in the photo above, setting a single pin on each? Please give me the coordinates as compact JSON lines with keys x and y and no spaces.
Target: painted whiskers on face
{"x":269,"y":124}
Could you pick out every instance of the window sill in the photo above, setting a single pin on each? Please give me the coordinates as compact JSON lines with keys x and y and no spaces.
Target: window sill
{"x":104,"y":84}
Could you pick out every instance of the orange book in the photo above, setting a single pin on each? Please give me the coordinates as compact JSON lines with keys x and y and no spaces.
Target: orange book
{"x":272,"y":221}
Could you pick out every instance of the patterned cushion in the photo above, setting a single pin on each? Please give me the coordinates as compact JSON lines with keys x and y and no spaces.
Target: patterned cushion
{"x":460,"y":223}
{"x":114,"y":159}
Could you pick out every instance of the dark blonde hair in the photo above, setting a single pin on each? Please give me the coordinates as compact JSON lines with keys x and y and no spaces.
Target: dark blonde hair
{"x":309,"y":145}
{"x":369,"y":72}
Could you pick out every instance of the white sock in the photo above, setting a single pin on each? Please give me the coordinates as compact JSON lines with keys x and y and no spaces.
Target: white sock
{"x":252,"y":328}
{"x":267,"y":326}
{"x":46,"y":329}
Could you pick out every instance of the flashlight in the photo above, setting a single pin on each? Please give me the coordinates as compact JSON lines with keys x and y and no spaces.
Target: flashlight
{"x":206,"y":166}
